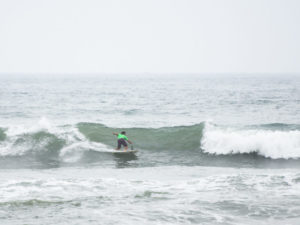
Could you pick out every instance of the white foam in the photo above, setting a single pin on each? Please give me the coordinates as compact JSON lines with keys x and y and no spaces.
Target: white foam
{"x":43,"y":124}
{"x":75,"y":142}
{"x":74,"y":152}
{"x":268,"y":143}
{"x":70,"y":134}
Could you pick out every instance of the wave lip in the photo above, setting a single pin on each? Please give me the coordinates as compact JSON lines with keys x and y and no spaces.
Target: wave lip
{"x":273,"y":144}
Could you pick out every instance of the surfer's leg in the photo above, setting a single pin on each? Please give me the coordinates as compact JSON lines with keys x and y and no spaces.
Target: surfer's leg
{"x":123,"y":142}
{"x":119,"y":144}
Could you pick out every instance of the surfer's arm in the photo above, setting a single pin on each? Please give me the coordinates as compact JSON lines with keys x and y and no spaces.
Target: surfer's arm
{"x":115,"y":133}
{"x":130,"y":142}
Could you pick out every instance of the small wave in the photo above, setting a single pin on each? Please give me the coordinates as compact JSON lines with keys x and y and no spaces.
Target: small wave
{"x":276,"y":126}
{"x":33,"y":202}
{"x":273,"y":144}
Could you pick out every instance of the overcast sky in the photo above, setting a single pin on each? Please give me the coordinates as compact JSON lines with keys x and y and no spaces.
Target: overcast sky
{"x":149,"y":36}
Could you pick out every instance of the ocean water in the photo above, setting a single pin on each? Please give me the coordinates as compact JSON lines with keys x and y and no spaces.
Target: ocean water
{"x":212,"y":149}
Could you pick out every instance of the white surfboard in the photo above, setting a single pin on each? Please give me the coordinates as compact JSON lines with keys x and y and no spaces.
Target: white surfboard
{"x":124,"y":152}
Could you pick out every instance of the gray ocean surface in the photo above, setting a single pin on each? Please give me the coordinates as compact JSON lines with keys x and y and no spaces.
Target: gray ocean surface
{"x":212,"y":149}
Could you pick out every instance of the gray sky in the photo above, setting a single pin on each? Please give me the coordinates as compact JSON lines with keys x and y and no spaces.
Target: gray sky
{"x":152,"y":36}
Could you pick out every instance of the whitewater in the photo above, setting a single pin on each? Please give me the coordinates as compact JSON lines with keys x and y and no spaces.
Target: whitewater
{"x":212,"y":149}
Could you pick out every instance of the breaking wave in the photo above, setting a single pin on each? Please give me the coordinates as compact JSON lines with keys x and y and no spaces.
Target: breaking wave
{"x":273,"y":143}
{"x":45,"y":142}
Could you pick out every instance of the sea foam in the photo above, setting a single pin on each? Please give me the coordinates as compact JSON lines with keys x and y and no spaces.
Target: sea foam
{"x":268,"y":143}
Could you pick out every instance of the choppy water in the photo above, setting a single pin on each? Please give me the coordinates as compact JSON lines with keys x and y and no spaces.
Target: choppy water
{"x":212,"y":150}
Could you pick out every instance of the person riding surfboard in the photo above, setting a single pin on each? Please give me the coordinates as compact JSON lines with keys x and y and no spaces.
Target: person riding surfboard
{"x":122,"y":138}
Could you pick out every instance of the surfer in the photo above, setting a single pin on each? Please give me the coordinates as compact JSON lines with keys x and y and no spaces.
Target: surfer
{"x":122,"y":140}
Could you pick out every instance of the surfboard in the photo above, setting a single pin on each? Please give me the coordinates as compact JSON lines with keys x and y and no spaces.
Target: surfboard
{"x":124,"y":152}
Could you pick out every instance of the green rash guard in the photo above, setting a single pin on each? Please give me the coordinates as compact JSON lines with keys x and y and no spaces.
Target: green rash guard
{"x":122,"y":136}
